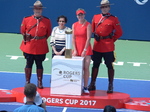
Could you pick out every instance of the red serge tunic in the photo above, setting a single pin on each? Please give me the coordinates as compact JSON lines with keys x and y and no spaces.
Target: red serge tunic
{"x":43,"y":28}
{"x":109,"y":25}
{"x":80,"y":32}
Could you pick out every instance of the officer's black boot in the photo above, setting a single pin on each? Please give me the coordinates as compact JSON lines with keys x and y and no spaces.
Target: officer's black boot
{"x":93,"y":79}
{"x":39,"y":77}
{"x":28,"y":74}
{"x":110,"y":79}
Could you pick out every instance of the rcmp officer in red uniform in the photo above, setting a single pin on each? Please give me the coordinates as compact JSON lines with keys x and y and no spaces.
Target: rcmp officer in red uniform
{"x":35,"y":29}
{"x":107,"y":30}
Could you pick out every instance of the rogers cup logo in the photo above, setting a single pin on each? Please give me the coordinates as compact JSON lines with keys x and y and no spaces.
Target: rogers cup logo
{"x":141,"y":2}
{"x":57,"y":71}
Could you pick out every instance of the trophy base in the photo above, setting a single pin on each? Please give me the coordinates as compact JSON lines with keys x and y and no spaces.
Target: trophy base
{"x":68,"y":53}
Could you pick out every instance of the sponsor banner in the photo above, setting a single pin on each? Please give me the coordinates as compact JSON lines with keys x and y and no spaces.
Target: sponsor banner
{"x":100,"y":100}
{"x":74,"y":102}
{"x":66,"y":75}
{"x":133,"y":14}
{"x":96,"y":99}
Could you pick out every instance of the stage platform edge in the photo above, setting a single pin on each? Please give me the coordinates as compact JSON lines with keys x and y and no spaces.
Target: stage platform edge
{"x":7,"y":96}
{"x":96,"y":99}
{"x":142,"y":104}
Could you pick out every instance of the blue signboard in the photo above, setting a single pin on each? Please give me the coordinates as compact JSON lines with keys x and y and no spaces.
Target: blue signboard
{"x":133,"y":14}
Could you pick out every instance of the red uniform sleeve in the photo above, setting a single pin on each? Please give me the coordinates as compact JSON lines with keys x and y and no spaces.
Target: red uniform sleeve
{"x":93,"y":24}
{"x":23,"y":27}
{"x":49,"y":29}
{"x":118,"y":30}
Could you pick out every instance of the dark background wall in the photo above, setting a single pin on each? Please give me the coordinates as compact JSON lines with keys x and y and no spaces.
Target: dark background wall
{"x":134,"y":18}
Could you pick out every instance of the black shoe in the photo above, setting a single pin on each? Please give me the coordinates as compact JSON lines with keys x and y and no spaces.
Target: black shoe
{"x":110,"y":88}
{"x":92,"y":87}
{"x":39,"y":85}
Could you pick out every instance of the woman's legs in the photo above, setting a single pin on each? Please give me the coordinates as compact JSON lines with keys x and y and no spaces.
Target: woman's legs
{"x":86,"y":74}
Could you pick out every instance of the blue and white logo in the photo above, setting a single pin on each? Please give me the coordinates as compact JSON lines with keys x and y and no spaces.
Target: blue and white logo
{"x":141,"y":2}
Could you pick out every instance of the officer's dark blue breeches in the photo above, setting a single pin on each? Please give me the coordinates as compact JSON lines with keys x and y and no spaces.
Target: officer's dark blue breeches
{"x":37,"y":58}
{"x":108,"y":58}
{"x":109,"y":65}
{"x":29,"y":63}
{"x":38,"y":63}
{"x":97,"y":64}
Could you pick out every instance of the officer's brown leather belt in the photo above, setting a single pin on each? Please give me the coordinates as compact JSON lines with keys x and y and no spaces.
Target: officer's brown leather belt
{"x":38,"y":37}
{"x":105,"y":37}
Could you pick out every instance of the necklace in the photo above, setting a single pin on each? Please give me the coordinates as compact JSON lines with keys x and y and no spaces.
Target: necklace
{"x":84,"y":23}
{"x":61,"y":30}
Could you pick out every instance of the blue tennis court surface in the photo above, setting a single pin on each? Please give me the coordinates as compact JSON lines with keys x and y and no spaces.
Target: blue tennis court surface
{"x":132,"y":71}
{"x":136,"y":88}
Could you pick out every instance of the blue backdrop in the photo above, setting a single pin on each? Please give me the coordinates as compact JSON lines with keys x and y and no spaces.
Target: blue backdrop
{"x":133,"y":14}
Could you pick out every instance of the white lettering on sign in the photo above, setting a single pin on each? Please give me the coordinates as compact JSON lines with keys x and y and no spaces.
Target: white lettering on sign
{"x":141,"y":2}
{"x":70,"y":101}
{"x":88,"y":102}
{"x":53,"y":100}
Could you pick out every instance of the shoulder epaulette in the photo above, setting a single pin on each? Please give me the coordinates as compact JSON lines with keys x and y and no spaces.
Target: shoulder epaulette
{"x":46,"y":17}
{"x":113,"y":15}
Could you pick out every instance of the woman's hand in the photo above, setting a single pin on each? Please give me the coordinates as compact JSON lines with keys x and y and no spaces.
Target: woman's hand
{"x":57,"y":53}
{"x":83,"y":54}
{"x":61,"y":52}
{"x":74,"y":53}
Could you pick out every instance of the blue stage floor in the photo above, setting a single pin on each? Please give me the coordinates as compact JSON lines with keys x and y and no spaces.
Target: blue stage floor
{"x":136,"y":88}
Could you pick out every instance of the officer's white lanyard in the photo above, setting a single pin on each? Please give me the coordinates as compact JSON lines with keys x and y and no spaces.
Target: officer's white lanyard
{"x":100,"y":21}
{"x":36,"y":31}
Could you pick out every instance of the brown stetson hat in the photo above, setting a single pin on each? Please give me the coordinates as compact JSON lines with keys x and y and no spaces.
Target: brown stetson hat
{"x":104,"y":3}
{"x":37,"y":4}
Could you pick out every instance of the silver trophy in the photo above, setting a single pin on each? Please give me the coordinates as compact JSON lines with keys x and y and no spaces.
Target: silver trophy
{"x":68,"y":51}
